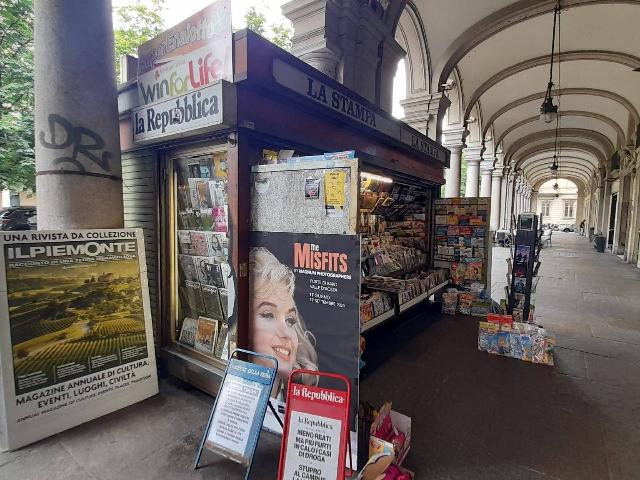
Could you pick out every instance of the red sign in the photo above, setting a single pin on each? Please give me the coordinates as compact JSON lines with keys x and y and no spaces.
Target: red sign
{"x":316,"y":430}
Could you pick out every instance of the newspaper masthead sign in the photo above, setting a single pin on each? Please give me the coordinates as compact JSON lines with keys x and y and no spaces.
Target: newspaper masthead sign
{"x":76,"y":339}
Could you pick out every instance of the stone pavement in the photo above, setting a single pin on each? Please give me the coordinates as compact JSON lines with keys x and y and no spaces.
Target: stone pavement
{"x":475,"y":415}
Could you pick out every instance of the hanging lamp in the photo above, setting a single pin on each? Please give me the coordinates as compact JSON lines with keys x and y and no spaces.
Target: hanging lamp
{"x":549,"y":111}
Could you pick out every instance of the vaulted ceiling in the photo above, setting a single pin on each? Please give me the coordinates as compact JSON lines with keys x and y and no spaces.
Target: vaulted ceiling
{"x":498,"y":51}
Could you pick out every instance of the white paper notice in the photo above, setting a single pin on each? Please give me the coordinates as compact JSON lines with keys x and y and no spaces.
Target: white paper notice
{"x":312,"y":447}
{"x":231,"y":424}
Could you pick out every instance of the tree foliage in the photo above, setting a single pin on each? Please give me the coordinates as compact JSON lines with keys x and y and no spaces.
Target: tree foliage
{"x":17,"y":157}
{"x":137,"y":23}
{"x":278,"y":33}
{"x":255,"y":21}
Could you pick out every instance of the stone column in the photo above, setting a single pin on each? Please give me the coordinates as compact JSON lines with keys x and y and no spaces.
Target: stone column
{"x":505,"y":196}
{"x":452,"y":174}
{"x":453,"y":141}
{"x":534,"y":201}
{"x":604,"y":209}
{"x":472,"y":157}
{"x":78,"y":168}
{"x":496,"y":200}
{"x":313,"y":41}
{"x":486,"y":167}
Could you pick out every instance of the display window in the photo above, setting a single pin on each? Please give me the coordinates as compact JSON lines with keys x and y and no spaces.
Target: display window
{"x":201,"y":264}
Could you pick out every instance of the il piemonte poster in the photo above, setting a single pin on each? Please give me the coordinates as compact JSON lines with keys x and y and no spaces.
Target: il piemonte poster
{"x":304,"y":308}
{"x":76,"y":338}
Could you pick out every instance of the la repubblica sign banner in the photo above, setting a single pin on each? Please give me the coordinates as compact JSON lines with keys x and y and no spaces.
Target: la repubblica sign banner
{"x":179,"y":75}
{"x":76,"y":340}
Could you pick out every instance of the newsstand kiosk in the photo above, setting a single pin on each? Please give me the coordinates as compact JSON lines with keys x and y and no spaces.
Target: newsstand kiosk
{"x":199,"y":192}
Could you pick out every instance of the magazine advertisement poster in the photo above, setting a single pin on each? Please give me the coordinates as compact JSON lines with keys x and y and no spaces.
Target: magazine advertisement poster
{"x":77,"y":338}
{"x":304,"y":309}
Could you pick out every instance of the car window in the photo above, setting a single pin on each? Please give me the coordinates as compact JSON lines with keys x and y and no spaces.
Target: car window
{"x":29,"y":213}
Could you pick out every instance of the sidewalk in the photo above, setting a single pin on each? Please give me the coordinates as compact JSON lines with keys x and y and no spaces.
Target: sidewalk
{"x":475,"y":416}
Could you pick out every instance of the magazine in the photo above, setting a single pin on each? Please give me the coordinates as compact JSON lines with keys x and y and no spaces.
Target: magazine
{"x":204,"y":195}
{"x":206,"y":335}
{"x":184,"y":242}
{"x":193,"y":189}
{"x":184,"y":197}
{"x":212,"y":302}
{"x":188,"y":331}
{"x":221,"y":341}
{"x":220,"y":219}
{"x":199,"y":244}
{"x":187,"y":268}
{"x":194,"y":296}
{"x":206,"y":219}
{"x":208,"y":271}
{"x":217,"y":245}
{"x":519,"y":299}
{"x":223,"y":301}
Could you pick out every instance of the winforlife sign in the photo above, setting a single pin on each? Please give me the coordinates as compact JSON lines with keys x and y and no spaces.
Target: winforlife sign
{"x":76,"y":339}
{"x":192,"y":55}
{"x":172,"y":118}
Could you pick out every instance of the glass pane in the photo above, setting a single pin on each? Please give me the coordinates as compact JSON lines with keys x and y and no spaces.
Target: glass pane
{"x":203,"y":253}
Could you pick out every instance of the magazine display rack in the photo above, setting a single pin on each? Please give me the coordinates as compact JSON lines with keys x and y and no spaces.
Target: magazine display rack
{"x":524,"y":268}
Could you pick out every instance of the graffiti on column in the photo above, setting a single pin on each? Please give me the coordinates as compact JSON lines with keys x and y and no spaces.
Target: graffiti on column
{"x":85,"y":142}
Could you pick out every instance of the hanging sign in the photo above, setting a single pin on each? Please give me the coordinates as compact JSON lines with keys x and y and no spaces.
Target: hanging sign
{"x":236,"y":419}
{"x":76,"y":339}
{"x":187,"y":57}
{"x":316,"y":431}
{"x":343,"y":102}
{"x":185,"y":114}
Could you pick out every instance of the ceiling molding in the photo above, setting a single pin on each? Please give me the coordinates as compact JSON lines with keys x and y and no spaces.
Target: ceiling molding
{"x":577,"y":181}
{"x":577,"y":169}
{"x":410,"y":27}
{"x":567,"y":91}
{"x":591,"y":55}
{"x":608,"y":148}
{"x":571,"y":113}
{"x":504,"y":18}
{"x":535,"y":177}
{"x":564,"y":145}
{"x":567,"y":155}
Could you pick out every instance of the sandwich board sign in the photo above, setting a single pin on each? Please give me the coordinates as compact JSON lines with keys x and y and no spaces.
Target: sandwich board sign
{"x":316,"y":431}
{"x":236,"y":419}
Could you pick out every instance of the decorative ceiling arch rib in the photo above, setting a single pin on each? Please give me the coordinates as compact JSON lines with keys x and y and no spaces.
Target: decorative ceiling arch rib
{"x":582,"y":186}
{"x":411,"y":36}
{"x":565,"y":92}
{"x":497,"y":21}
{"x":539,"y":182}
{"x":570,"y":113}
{"x":564,"y":145}
{"x":575,"y":156}
{"x":624,"y":59}
{"x":607,"y":148}
{"x":567,"y":167}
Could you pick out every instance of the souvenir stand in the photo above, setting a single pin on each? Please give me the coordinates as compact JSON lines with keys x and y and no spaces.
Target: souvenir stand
{"x":194,"y":191}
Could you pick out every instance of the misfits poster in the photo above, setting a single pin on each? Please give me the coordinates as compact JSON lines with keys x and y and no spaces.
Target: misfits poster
{"x":304,"y":307}
{"x":76,"y":337}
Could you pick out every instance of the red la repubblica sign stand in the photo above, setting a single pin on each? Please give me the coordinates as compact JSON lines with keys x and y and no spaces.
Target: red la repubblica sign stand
{"x":315,"y":440}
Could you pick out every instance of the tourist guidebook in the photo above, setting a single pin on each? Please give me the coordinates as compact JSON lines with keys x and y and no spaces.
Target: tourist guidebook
{"x":76,"y":338}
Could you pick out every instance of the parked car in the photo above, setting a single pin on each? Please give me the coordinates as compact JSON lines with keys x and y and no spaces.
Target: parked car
{"x":567,"y":227}
{"x":17,"y":218}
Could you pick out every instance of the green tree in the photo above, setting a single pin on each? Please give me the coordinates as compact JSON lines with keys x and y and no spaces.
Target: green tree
{"x":281,"y":36}
{"x":255,"y":21}
{"x":17,"y":157}
{"x":137,"y":23}
{"x":278,"y":33}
